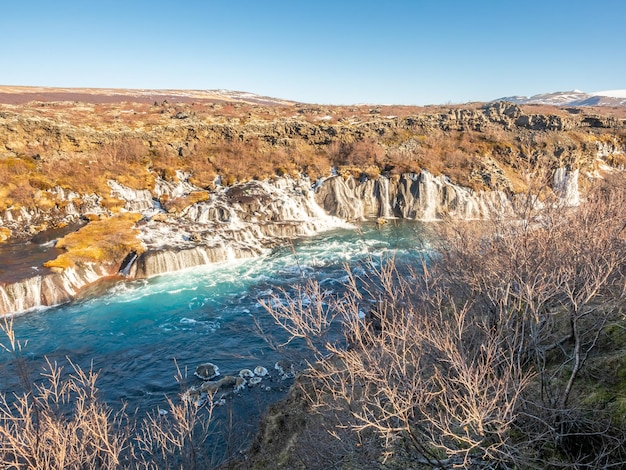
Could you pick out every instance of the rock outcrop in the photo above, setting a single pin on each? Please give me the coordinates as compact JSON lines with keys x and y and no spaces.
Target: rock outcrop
{"x":49,"y":289}
{"x":411,"y":196}
{"x":20,"y":133}
{"x":235,"y":222}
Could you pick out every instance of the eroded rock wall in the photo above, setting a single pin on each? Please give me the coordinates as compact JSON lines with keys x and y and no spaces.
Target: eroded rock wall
{"x":49,"y":289}
{"x":411,"y":196}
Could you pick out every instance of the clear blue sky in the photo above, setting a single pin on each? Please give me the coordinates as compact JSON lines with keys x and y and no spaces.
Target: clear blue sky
{"x":335,"y":52}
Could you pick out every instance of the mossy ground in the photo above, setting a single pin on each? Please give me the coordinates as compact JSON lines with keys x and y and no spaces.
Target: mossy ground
{"x":603,"y":382}
{"x":105,"y":241}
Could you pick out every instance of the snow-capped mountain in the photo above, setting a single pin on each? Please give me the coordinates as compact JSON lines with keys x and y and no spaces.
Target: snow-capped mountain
{"x":8,"y":94}
{"x":573,"y":98}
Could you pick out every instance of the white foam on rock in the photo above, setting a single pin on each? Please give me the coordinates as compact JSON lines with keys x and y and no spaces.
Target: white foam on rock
{"x":258,"y":215}
{"x":231,"y":225}
{"x":566,"y":186}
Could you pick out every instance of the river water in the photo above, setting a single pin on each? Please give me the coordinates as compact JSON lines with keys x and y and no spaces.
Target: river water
{"x":136,"y":333}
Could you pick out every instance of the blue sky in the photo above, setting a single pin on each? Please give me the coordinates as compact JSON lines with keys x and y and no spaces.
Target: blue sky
{"x":334,"y":52}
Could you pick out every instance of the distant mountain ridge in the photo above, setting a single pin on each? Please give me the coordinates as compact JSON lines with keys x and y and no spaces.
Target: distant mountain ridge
{"x":572,"y":98}
{"x":23,"y":94}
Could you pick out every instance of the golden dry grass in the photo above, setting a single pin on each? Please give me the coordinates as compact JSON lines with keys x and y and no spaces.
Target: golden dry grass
{"x":179,"y":203}
{"x":133,"y":142}
{"x":102,"y":241}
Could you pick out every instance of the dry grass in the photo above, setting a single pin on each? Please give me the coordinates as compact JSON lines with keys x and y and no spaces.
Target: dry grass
{"x":15,"y":181}
{"x":479,"y":358}
{"x":178,"y":204}
{"x":23,"y":178}
{"x":103,"y":241}
{"x":36,"y":432}
{"x":61,"y":422}
{"x":81,"y":146}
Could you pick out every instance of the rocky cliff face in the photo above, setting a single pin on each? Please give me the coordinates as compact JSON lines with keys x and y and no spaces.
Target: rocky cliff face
{"x":236,"y":222}
{"x":49,"y":289}
{"x":410,"y":196}
{"x":24,"y":133}
{"x":73,"y":147}
{"x":69,"y":207}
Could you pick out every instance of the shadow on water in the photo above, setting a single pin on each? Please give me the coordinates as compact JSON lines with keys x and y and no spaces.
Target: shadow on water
{"x":20,"y":259}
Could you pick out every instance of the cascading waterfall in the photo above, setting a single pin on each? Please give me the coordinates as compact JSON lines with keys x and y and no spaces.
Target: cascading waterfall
{"x":49,"y":289}
{"x":566,"y":186}
{"x":244,"y":220}
{"x":21,"y":296}
{"x":137,"y":200}
{"x":128,"y":262}
{"x":428,"y":199}
{"x":155,"y":262}
{"x":495,"y":203}
{"x":178,"y":189}
{"x":385,"y":209}
{"x":413,"y":196}
{"x":235,"y":223}
{"x":167,"y":260}
{"x":136,"y":333}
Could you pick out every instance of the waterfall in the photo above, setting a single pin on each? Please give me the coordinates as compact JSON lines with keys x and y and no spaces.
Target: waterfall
{"x":155,"y":262}
{"x":20,"y":296}
{"x":136,"y":200}
{"x":127,"y":264}
{"x":245,"y":220}
{"x":236,"y":222}
{"x":494,"y":203}
{"x":181,"y":188}
{"x":339,"y":198}
{"x":414,"y":196}
{"x":385,"y":207}
{"x":428,"y":192}
{"x":47,"y":290}
{"x":158,"y":262}
{"x":566,"y":186}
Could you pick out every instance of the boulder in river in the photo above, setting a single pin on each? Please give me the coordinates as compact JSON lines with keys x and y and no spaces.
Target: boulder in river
{"x":246,"y":373}
{"x":207,"y":371}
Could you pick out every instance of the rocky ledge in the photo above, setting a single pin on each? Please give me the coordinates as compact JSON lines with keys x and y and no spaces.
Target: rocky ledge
{"x":195,"y":227}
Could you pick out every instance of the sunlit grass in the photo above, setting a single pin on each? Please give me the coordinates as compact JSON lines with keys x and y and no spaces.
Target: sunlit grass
{"x":103,"y":241}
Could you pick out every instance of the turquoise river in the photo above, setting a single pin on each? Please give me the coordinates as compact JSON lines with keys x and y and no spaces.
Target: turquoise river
{"x":136,"y":333}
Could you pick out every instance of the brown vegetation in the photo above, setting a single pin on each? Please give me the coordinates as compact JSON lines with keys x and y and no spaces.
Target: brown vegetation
{"x":80,"y":146}
{"x":107,"y":240}
{"x":480,"y":357}
{"x":61,"y":422}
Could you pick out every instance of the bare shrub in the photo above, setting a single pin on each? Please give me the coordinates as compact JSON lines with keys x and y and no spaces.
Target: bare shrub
{"x":415,"y":370}
{"x":173,"y":437}
{"x":475,"y":357}
{"x":61,"y":422}
{"x":360,"y":153}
